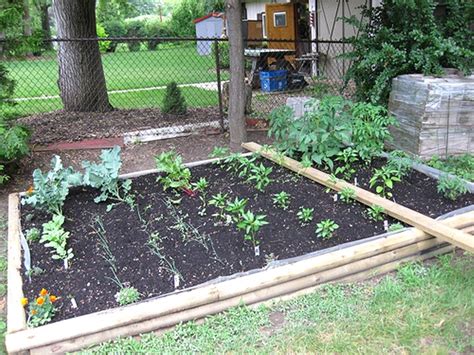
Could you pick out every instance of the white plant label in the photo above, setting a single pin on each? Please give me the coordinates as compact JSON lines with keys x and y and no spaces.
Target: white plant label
{"x":74,"y":303}
{"x":176,"y":281}
{"x":335,"y":197}
{"x":257,"y":250}
{"x":385,"y":225}
{"x":355,"y":182}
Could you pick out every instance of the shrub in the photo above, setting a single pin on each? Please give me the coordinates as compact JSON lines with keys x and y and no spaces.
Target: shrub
{"x":224,"y":56}
{"x":174,"y":102}
{"x":155,"y":28}
{"x":134,"y":28}
{"x":103,"y":45}
{"x":403,"y":37}
{"x":114,"y":28}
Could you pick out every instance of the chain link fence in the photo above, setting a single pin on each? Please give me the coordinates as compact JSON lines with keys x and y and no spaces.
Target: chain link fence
{"x":137,"y":72}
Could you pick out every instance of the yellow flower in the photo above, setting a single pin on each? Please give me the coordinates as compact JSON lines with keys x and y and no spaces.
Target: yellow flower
{"x":30,"y":191}
{"x":40,"y":301}
{"x":24,"y":301}
{"x":53,"y":298}
{"x":43,"y":292}
{"x":33,"y":312}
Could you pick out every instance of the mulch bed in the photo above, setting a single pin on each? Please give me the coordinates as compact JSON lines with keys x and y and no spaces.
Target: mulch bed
{"x":60,"y":126}
{"x":89,"y":278}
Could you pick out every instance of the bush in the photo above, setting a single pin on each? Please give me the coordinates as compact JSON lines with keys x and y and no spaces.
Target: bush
{"x":224,"y":56}
{"x":155,"y":28}
{"x":134,"y":28}
{"x":115,"y":28}
{"x":13,"y":137}
{"x":404,"y":37}
{"x":174,"y":102}
{"x":328,"y":127}
{"x":103,"y":45}
{"x":183,"y":16}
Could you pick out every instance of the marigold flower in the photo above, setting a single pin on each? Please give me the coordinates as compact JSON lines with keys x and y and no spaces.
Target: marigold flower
{"x":33,"y":312}
{"x":30,"y":190}
{"x":53,"y":298}
{"x":24,"y":301}
{"x":43,"y":292}
{"x":40,"y":301}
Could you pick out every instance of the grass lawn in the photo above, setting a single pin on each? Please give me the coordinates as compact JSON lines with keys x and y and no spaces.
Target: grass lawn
{"x":143,"y":99}
{"x":422,"y":308}
{"x":123,"y":70}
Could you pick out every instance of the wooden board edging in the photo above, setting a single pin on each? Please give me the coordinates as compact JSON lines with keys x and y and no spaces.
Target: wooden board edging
{"x":402,"y":213}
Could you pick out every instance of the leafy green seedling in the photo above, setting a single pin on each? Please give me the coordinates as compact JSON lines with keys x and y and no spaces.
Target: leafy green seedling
{"x":347,"y":195}
{"x":219,"y":153}
{"x":251,"y":224}
{"x":55,"y":237}
{"x":201,"y":185}
{"x":282,"y":200}
{"x":305,"y":215}
{"x":260,"y":175}
{"x":236,"y":207}
{"x":219,"y":201}
{"x":395,"y":227}
{"x":33,"y":235}
{"x":383,"y":180}
{"x":176,"y":176}
{"x":375,"y":213}
{"x":326,"y":228}
{"x":127,"y":295}
{"x":451,"y":187}
{"x":347,"y":157}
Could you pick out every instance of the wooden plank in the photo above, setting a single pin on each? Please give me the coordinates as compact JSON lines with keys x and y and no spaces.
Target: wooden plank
{"x":402,"y":213}
{"x":16,"y":319}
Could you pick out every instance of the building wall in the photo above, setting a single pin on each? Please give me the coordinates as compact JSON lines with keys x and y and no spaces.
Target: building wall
{"x":209,"y":28}
{"x":254,"y":7}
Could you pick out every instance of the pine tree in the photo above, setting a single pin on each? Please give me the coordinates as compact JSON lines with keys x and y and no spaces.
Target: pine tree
{"x":174,"y":102}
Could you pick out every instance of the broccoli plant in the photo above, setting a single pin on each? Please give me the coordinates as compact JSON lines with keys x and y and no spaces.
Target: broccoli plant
{"x":51,"y":189}
{"x":105,"y":177}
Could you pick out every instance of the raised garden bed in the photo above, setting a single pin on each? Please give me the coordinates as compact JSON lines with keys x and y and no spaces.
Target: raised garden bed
{"x":201,"y":252}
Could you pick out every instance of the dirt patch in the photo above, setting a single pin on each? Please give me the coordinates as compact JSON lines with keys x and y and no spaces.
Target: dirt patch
{"x":73,"y":126}
{"x":277,"y":321}
{"x":198,"y":248}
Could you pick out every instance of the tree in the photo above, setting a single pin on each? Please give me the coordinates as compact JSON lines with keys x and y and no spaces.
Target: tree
{"x":81,"y":76}
{"x":42,"y":6}
{"x":238,"y":132}
{"x":182,"y":19}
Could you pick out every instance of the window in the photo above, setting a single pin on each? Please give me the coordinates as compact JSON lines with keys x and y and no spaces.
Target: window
{"x":279,"y":19}
{"x":264,"y":25}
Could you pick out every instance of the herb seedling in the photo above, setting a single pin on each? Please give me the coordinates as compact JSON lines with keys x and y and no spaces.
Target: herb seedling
{"x":176,"y":175}
{"x":236,"y":207}
{"x":127,"y":295}
{"x":451,"y":187}
{"x":55,"y":237}
{"x":260,"y":175}
{"x":282,"y":200}
{"x":347,"y":194}
{"x":383,"y":180}
{"x":33,"y":235}
{"x":201,"y":185}
{"x":219,"y":153}
{"x":347,"y":157}
{"x":375,"y":213}
{"x":326,"y":228}
{"x":395,"y":227}
{"x":251,"y":224}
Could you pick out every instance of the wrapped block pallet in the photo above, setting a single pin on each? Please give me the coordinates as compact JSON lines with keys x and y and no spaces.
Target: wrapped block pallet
{"x":435,"y":115}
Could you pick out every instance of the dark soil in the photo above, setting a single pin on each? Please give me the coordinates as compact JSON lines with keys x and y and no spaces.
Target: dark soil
{"x":212,"y":251}
{"x":74,"y":126}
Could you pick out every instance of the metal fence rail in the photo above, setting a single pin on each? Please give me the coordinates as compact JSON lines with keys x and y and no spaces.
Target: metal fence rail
{"x":137,"y":71}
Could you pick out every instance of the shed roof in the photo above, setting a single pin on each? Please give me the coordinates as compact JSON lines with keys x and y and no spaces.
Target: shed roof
{"x":212,"y":14}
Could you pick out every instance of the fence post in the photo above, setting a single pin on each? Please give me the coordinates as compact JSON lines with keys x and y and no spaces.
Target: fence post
{"x":219,"y":88}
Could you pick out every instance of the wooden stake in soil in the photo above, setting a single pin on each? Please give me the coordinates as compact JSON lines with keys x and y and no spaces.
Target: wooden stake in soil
{"x":402,"y":213}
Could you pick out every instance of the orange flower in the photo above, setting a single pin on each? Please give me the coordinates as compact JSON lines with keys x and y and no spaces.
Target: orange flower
{"x":24,"y":301}
{"x":53,"y":298}
{"x":30,"y":190}
{"x":33,"y":312}
{"x":43,"y":292}
{"x":40,"y":301}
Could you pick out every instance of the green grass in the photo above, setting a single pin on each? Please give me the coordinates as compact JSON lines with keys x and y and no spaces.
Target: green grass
{"x":145,"y":99}
{"x":427,"y":309}
{"x":123,"y":70}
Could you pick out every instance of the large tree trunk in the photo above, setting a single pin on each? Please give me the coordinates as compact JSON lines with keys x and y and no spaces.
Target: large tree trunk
{"x":81,"y":76}
{"x":238,"y":132}
{"x":27,"y":23}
